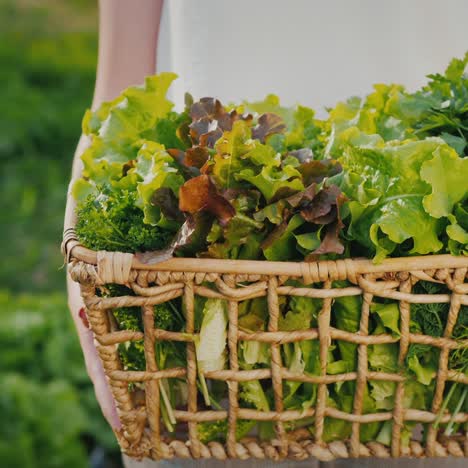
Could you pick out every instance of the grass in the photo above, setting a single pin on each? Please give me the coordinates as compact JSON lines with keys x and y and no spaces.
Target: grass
{"x":48,"y":52}
{"x":46,"y":83}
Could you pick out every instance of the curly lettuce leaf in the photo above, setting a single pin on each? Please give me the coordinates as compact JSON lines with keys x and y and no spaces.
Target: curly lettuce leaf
{"x":383,"y":357}
{"x":389,"y":314}
{"x":346,"y":316}
{"x":447,"y":174}
{"x":302,"y":314}
{"x":302,"y":129}
{"x":273,"y":181}
{"x":371,"y":115}
{"x":422,"y":361}
{"x":239,"y":239}
{"x":268,"y":124}
{"x":389,"y":186}
{"x":116,"y":126}
{"x":283,"y":245}
{"x":458,"y":229}
{"x":307,"y":223}
{"x":156,"y":169}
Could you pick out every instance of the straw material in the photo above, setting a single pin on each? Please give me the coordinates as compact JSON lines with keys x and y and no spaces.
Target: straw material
{"x":142,"y":434}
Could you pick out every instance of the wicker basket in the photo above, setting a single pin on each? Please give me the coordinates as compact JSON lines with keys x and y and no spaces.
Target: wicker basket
{"x":142,"y":433}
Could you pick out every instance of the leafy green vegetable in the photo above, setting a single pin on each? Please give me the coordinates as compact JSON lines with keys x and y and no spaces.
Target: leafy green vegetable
{"x":429,"y":319}
{"x":217,"y":430}
{"x":381,"y":176}
{"x":389,"y":194}
{"x":302,"y":314}
{"x":389,"y":315}
{"x":112,"y":221}
{"x":240,"y":158}
{"x":117,"y":126}
{"x":157,"y":170}
{"x":422,"y":360}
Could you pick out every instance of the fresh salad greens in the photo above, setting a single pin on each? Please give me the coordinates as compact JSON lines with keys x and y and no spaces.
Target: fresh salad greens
{"x":382,"y":176}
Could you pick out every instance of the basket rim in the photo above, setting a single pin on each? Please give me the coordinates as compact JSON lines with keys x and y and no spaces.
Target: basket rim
{"x":74,"y":251}
{"x":96,"y":268}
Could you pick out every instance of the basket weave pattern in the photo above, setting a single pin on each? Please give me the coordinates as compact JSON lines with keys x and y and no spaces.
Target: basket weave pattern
{"x":142,"y":434}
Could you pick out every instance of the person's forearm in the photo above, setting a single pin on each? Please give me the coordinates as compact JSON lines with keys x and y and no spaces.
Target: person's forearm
{"x":128,"y":34}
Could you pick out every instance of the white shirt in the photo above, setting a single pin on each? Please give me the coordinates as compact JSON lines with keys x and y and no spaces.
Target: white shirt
{"x":316,"y":52}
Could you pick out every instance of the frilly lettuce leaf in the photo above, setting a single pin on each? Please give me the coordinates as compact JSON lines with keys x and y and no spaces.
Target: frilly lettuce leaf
{"x":252,"y":393}
{"x":303,"y":130}
{"x":271,"y":103}
{"x":424,"y":373}
{"x":272,"y":181}
{"x":241,"y":159}
{"x":233,"y":152}
{"x":399,"y":192}
{"x":458,"y":229}
{"x":302,"y":314}
{"x":373,"y":115}
{"x":308,"y":223}
{"x":389,"y":314}
{"x":422,"y":361}
{"x":346,"y":315}
{"x":156,"y":169}
{"x":82,"y":189}
{"x":116,"y":126}
{"x":284,"y":245}
{"x":447,"y":174}
{"x":383,"y":357}
{"x":268,"y":124}
{"x":383,"y":394}
{"x":239,"y":239}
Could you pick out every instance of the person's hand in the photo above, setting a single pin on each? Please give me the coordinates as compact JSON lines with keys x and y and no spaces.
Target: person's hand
{"x":93,"y":363}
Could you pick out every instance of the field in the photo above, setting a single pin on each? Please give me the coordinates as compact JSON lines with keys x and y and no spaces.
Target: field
{"x":47,"y":66}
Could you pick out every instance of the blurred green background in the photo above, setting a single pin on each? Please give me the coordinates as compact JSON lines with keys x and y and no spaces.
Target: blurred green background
{"x":49,"y":416}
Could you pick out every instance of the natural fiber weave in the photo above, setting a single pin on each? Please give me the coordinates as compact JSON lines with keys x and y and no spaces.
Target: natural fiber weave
{"x":142,"y":434}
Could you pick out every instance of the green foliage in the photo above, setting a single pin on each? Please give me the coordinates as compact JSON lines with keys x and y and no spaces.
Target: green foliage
{"x":248,"y":163}
{"x":42,"y":424}
{"x":112,"y":221}
{"x":391,"y":200}
{"x":129,"y":318}
{"x":166,"y":317}
{"x":404,"y":187}
{"x":429,"y":318}
{"x":40,"y":350}
{"x":217,"y":430}
{"x":157,"y":171}
{"x":116,"y":127}
{"x":403,"y":192}
{"x":47,"y":72}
